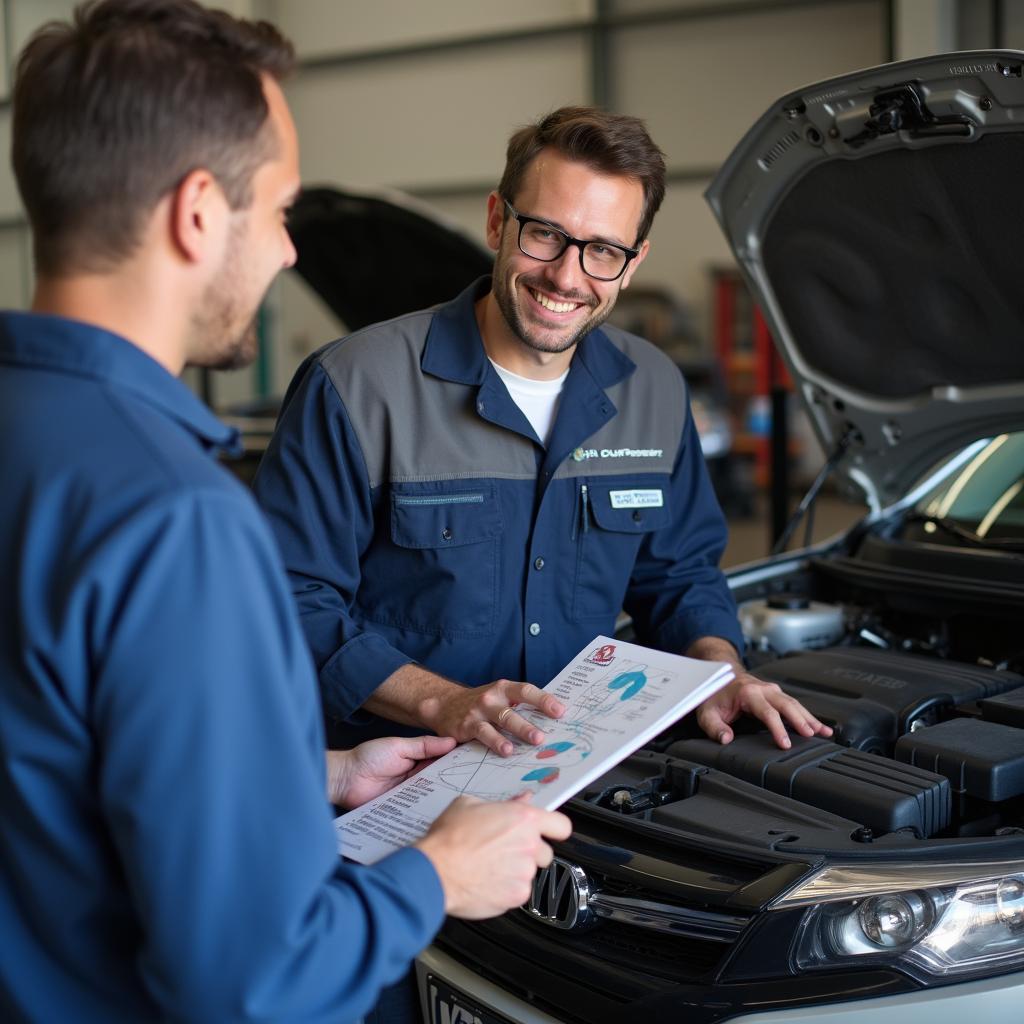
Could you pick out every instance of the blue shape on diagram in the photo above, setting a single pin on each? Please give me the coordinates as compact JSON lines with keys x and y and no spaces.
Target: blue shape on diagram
{"x":551,"y":749}
{"x":631,"y":683}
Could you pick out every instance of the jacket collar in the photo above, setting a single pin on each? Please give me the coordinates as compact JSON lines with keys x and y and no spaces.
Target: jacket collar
{"x":79,"y":349}
{"x":454,"y":350}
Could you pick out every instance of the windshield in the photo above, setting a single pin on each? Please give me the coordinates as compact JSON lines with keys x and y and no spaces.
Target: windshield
{"x":981,"y":503}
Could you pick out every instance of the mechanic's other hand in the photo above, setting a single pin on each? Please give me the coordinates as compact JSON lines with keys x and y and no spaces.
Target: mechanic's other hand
{"x":484,"y":712}
{"x":486,"y":854}
{"x":357,"y":775}
{"x":765,"y":701}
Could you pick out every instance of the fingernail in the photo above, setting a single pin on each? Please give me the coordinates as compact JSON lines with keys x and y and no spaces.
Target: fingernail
{"x":721,"y":736}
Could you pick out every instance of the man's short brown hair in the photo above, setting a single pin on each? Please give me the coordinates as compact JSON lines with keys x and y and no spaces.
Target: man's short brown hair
{"x":114,"y":109}
{"x":608,"y":143}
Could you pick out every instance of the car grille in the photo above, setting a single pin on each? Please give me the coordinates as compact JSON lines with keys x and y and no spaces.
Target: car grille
{"x":619,"y":924}
{"x":613,"y":959}
{"x":632,"y":947}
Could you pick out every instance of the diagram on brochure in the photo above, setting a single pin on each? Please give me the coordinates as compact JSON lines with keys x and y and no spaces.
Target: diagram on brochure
{"x":617,"y":696}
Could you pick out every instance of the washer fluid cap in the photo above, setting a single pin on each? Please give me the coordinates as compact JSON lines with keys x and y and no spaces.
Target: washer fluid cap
{"x":799,"y":625}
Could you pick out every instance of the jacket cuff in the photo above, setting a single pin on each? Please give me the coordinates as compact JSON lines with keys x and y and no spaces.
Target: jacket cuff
{"x":355,"y":670}
{"x":682,"y":630}
{"x":412,"y":872}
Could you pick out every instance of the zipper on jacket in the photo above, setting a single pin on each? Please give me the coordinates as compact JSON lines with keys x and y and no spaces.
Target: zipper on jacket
{"x":439,"y":499}
{"x":584,"y":508}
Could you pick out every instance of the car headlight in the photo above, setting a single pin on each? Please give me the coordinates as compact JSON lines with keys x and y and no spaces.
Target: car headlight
{"x":950,"y":920}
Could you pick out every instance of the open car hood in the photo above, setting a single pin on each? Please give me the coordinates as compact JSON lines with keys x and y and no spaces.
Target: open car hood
{"x":879,"y":219}
{"x":372,"y":256}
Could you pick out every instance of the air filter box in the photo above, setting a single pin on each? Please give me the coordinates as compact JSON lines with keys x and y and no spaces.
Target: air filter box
{"x":875,"y":791}
{"x":982,"y":759}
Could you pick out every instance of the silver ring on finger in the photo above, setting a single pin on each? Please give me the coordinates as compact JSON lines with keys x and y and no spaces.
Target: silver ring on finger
{"x":505,"y":712}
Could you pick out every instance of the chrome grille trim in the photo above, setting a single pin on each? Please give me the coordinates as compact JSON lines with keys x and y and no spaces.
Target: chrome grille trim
{"x":668,"y":918}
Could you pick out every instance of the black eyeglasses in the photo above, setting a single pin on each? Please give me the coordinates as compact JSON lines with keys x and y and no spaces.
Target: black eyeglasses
{"x":540,"y":240}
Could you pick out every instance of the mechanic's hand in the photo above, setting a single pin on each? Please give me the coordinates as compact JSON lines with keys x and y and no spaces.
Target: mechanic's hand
{"x":483,"y":713}
{"x":357,"y":775}
{"x":765,"y":701}
{"x":486,"y":854}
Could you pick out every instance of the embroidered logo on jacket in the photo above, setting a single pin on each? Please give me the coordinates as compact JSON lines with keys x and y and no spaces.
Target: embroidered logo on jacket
{"x":582,"y":454}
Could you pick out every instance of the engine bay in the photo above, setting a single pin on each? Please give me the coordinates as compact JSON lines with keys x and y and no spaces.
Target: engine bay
{"x":926,"y":703}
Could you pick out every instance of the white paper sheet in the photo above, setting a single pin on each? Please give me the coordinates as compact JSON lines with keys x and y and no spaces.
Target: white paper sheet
{"x":618,"y":696}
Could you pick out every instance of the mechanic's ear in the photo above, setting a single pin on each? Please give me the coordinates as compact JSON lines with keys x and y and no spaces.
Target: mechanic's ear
{"x":635,"y":262}
{"x":198,"y":216}
{"x":495,"y":220}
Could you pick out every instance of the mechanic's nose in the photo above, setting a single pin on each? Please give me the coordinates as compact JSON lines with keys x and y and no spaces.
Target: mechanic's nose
{"x":565,"y":273}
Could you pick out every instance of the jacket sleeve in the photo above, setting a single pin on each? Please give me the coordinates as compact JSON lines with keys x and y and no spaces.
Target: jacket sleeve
{"x":314,"y":489}
{"x":677,"y":593}
{"x":211,"y":778}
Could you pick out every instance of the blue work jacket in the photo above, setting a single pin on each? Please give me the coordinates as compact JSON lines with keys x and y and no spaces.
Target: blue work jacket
{"x":421,"y":519}
{"x":166,"y":848}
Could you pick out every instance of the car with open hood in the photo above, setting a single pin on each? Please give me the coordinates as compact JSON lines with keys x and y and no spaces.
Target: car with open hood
{"x":878,"y":219}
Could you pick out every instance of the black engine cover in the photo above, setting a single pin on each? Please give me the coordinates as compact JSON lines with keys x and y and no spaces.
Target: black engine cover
{"x":882,"y":794}
{"x":870,"y":697}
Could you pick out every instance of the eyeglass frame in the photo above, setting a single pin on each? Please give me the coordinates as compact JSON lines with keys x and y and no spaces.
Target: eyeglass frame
{"x":581,"y":243}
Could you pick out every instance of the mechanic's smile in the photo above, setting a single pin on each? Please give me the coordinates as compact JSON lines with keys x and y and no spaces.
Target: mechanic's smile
{"x":553,"y":304}
{"x":563,"y":305}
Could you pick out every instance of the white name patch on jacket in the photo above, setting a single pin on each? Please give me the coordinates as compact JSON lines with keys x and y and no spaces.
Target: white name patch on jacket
{"x":636,"y":499}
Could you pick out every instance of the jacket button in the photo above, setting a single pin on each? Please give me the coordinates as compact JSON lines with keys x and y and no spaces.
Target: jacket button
{"x":538,"y":563}
{"x":534,"y":629}
{"x":637,"y":516}
{"x":446,"y":534}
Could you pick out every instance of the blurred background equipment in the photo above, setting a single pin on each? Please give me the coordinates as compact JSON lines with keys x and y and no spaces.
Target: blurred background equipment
{"x":369,"y":256}
{"x":661,"y":317}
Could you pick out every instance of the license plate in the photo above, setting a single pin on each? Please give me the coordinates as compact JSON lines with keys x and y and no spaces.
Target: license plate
{"x":449,"y":1006}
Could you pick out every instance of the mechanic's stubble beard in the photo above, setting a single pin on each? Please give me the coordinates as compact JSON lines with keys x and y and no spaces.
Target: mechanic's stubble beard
{"x":220,"y":342}
{"x":539,"y":339}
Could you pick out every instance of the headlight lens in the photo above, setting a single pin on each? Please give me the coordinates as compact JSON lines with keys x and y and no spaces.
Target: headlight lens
{"x":896,"y":921}
{"x":969,"y":928}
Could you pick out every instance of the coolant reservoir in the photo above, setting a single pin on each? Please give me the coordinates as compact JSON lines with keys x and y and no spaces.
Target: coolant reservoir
{"x":785,"y":623}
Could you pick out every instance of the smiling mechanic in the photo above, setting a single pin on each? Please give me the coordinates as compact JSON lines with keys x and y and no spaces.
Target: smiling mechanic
{"x":473,"y":492}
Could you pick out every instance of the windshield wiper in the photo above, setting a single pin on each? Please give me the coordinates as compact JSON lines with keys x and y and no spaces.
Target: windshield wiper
{"x":953,"y":528}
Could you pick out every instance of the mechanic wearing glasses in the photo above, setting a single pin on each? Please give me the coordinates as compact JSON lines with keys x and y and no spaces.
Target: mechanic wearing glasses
{"x":465,"y":496}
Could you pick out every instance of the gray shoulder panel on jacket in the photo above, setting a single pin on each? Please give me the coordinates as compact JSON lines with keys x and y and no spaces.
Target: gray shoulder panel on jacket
{"x":412,"y":426}
{"x":645,"y":434}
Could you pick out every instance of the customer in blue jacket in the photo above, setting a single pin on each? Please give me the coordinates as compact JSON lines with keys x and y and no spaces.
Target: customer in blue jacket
{"x":166,"y":848}
{"x":465,"y":496}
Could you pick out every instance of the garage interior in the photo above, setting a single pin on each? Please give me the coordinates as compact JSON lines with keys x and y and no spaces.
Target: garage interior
{"x":877,"y":859}
{"x":419,"y":98}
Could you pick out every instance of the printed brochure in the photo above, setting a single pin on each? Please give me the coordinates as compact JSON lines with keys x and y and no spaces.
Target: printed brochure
{"x":617,"y":696}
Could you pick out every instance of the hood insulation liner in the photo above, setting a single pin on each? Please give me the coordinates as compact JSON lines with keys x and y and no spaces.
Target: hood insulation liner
{"x":901,"y":272}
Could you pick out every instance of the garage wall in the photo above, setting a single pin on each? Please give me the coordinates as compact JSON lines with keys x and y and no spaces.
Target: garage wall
{"x":422,"y":97}
{"x":439,"y":96}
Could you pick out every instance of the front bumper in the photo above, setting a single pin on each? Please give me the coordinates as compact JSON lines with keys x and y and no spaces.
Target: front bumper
{"x":988,"y":1001}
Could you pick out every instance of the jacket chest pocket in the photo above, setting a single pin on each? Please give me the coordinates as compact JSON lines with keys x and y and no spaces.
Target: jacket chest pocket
{"x":613,"y":520}
{"x":443,"y":577}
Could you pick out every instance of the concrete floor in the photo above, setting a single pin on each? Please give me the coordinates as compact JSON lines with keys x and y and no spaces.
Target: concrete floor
{"x":749,"y":538}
